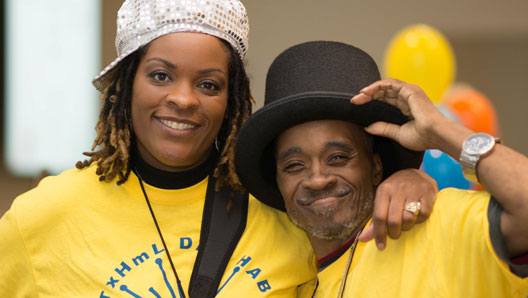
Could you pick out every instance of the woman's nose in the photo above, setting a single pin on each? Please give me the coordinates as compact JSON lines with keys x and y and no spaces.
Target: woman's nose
{"x":182,"y":96}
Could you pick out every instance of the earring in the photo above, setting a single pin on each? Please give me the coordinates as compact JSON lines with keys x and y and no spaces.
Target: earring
{"x":216,"y":144}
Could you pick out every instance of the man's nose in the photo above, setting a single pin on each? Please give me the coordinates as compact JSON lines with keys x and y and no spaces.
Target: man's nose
{"x":318,"y":179}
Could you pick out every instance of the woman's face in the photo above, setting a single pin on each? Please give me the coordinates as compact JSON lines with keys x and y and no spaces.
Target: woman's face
{"x":179,"y":98}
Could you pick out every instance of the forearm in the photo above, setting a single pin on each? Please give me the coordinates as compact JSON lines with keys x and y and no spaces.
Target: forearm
{"x":504,"y":174}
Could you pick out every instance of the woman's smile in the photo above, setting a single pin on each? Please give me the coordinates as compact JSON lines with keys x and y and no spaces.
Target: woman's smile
{"x":178,"y":125}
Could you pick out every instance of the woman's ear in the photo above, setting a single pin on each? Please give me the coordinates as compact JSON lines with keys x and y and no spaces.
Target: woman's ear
{"x":377,"y":169}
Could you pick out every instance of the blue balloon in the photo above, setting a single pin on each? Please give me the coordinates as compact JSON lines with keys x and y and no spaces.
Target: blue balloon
{"x":448,"y":114}
{"x":445,"y":170}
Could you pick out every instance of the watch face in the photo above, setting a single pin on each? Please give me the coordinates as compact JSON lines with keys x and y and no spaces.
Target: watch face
{"x":479,"y":144}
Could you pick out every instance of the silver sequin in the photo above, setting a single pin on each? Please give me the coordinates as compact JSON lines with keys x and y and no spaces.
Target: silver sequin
{"x":141,"y":21}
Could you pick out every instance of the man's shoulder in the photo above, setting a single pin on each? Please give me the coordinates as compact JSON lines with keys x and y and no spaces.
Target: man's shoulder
{"x":459,"y":215}
{"x":457,"y":200}
{"x":462,"y":193}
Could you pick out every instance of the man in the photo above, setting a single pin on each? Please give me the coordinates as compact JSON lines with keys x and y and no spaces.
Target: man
{"x":307,"y":151}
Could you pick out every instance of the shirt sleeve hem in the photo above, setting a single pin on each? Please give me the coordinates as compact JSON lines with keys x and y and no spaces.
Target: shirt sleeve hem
{"x":499,"y":245}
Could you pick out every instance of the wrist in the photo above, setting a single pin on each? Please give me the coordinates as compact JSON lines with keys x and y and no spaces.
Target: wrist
{"x":448,"y":136}
{"x":474,"y":148}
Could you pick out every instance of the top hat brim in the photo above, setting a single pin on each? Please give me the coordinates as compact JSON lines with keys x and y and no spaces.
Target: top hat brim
{"x":254,"y":157}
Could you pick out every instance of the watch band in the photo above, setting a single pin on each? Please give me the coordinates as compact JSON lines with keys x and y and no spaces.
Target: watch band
{"x":475,"y":147}
{"x":469,"y":169}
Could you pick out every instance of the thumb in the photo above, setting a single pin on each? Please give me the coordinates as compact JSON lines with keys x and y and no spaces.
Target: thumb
{"x":384,"y":129}
{"x":367,"y":234}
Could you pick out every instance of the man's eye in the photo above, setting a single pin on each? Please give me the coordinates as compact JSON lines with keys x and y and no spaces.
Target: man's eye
{"x":338,"y":159}
{"x":294,"y":166}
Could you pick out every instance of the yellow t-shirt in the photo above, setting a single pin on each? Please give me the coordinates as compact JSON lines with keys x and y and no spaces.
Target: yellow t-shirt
{"x":74,"y":236}
{"x":450,"y":255}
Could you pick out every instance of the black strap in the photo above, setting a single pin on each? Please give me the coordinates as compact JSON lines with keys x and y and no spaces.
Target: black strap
{"x":220,"y":233}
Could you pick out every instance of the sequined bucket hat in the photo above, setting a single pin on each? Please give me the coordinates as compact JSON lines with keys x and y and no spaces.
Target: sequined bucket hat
{"x":141,"y":21}
{"x":307,"y":82}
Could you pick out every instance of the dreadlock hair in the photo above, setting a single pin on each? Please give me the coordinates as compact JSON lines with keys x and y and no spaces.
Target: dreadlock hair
{"x":115,"y":137}
{"x":239,"y":107}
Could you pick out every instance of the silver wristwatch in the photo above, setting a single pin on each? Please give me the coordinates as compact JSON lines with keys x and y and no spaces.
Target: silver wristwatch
{"x":475,"y":147}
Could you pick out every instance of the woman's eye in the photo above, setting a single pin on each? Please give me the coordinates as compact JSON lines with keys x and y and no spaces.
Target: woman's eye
{"x":160,"y":76}
{"x":209,"y":86}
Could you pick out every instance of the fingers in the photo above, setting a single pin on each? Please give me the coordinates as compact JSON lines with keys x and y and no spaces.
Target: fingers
{"x":427,"y":200}
{"x":387,"y":90}
{"x":389,"y":217}
{"x":389,"y":223}
{"x":425,"y":211}
{"x":401,"y":201}
{"x":379,"y":219}
{"x":384,"y":129}
{"x":367,"y":234}
{"x":393,"y":92}
{"x":398,"y":219}
{"x":426,"y":188}
{"x":409,"y":220}
{"x":395,"y":217}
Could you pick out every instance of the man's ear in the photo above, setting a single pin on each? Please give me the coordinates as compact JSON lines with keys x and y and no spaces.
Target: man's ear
{"x":377,"y":169}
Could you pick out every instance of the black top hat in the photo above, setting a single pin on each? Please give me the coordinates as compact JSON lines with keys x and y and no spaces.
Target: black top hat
{"x":307,"y":82}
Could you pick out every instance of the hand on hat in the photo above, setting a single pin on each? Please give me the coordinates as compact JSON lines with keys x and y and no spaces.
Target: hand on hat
{"x":417,"y":134}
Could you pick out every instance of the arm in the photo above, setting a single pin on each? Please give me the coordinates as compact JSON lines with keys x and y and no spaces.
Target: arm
{"x":16,"y":273}
{"x":504,"y":172}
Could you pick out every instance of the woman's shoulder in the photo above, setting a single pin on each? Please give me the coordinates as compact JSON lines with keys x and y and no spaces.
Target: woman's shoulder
{"x":57,"y":192}
{"x":267,"y":219}
{"x":66,"y":183}
{"x":270,"y":234}
{"x":259,"y":209}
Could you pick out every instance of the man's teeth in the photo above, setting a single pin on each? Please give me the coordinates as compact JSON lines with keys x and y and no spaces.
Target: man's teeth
{"x":177,"y":125}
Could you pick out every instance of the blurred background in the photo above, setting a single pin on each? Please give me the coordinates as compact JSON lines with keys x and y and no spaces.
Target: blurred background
{"x":470,"y":57}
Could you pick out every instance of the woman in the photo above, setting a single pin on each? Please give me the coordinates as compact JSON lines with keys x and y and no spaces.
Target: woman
{"x":128,"y":221}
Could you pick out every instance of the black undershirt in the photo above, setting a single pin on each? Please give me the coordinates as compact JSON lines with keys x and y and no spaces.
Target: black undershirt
{"x":174,"y":180}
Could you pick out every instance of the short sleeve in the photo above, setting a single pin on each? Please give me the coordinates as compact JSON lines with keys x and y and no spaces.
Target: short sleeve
{"x":16,"y":274}
{"x":497,"y":240}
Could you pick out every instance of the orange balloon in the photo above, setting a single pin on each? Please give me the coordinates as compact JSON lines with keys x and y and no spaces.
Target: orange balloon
{"x":474,"y":110}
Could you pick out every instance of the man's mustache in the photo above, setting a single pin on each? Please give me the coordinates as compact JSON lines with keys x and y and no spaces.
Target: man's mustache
{"x":310,"y":196}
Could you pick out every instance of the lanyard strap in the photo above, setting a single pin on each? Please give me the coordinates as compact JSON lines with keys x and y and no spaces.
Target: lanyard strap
{"x":221,"y":230}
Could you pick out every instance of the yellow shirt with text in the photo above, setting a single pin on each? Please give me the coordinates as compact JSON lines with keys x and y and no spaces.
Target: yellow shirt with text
{"x":74,"y":236}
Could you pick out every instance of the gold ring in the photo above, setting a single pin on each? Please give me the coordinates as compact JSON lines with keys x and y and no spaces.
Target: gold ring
{"x":413,"y":207}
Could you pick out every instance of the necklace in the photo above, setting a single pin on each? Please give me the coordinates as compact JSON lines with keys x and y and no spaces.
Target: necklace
{"x":347,"y":269}
{"x":178,"y":281}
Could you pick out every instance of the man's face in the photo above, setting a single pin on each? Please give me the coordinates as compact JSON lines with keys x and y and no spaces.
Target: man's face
{"x":326,"y":173}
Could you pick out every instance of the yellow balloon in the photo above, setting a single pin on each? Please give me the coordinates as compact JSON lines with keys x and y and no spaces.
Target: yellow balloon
{"x":421,"y":55}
